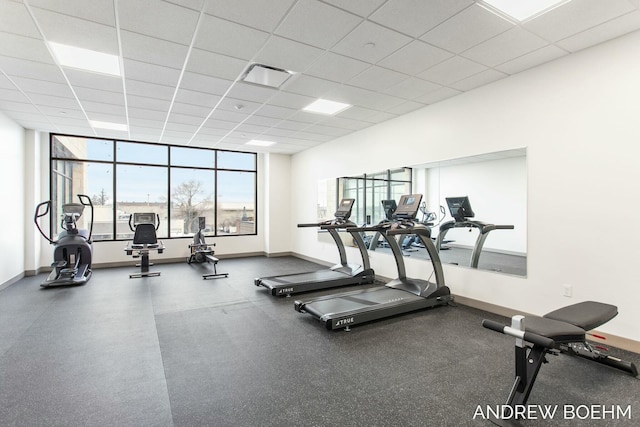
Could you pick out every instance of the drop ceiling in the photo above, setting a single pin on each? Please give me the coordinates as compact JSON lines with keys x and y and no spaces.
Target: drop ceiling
{"x":182,"y":63}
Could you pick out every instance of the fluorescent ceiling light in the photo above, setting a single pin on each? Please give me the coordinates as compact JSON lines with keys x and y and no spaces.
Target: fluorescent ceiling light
{"x":522,"y":10}
{"x":108,"y":125}
{"x":85,"y":59}
{"x":324,"y":106}
{"x":260,"y":143}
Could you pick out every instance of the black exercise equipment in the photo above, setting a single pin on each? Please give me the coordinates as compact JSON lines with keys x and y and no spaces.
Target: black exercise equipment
{"x":389,"y":208}
{"x":342,"y":274}
{"x":201,"y":252}
{"x":73,"y":248}
{"x":145,"y":240}
{"x":560,"y":331}
{"x":461,"y":211}
{"x":402,"y":295}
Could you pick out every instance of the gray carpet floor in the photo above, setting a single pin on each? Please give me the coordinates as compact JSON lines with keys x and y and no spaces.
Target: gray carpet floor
{"x":177,"y":350}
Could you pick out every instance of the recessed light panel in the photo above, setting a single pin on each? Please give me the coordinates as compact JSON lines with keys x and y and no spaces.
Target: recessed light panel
{"x":324,"y":106}
{"x":522,"y":10}
{"x":260,"y":143}
{"x":85,"y":59}
{"x":108,"y":125}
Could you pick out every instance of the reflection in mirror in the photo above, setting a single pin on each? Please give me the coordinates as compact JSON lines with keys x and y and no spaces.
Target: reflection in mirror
{"x":495,"y":186}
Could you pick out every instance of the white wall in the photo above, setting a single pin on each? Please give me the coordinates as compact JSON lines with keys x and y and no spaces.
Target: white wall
{"x":12,"y":214}
{"x":579,"y":118}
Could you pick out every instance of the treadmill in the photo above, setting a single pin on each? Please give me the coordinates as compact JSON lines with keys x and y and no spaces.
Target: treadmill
{"x":342,"y":274}
{"x":402,"y":295}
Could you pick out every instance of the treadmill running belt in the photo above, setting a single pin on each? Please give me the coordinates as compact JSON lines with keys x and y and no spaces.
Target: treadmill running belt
{"x":314,"y":276}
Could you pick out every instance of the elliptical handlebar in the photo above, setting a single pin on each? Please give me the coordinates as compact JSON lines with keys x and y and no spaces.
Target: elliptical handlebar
{"x":38,"y":215}
{"x":86,"y":201}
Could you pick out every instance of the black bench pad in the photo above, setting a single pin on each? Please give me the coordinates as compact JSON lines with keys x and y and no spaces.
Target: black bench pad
{"x":587,"y":315}
{"x":558,"y":331}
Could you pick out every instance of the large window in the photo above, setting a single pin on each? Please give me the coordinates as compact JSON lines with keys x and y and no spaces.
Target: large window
{"x":370,"y":189}
{"x":179,"y":184}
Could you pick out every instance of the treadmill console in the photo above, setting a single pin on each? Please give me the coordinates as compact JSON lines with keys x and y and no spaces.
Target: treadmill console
{"x":389,"y":207}
{"x":408,"y":206}
{"x":344,"y":209}
{"x":460,"y":208}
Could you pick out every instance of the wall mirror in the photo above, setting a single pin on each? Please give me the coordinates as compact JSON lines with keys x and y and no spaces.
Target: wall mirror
{"x":495,"y":185}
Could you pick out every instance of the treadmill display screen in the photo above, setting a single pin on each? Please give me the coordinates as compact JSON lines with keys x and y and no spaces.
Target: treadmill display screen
{"x":408,"y":206}
{"x":344,"y":209}
{"x":460,"y":208}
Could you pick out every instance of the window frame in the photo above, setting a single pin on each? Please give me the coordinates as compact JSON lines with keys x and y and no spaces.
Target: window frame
{"x":54,"y":173}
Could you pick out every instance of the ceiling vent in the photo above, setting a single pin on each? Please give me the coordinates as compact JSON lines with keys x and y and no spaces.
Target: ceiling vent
{"x":264,"y":75}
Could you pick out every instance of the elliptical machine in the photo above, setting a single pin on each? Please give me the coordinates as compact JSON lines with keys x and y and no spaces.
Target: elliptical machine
{"x":73,"y":248}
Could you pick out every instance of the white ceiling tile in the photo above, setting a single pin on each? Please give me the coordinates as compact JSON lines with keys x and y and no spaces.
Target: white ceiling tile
{"x":191,"y":4}
{"x":79,"y":78}
{"x":208,"y":132}
{"x":185,"y":119}
{"x":96,"y":95}
{"x":54,"y":112}
{"x":220,"y":124}
{"x":364,"y":98}
{"x":215,"y":65}
{"x":357,"y":113}
{"x":100,"y":107}
{"x":377,"y":79}
{"x":415,"y":57}
{"x":14,"y":18}
{"x":239,"y":105}
{"x":205,"y":84}
{"x":22,"y":107}
{"x":149,"y":90}
{"x":341,"y":122}
{"x":31,"y":69}
{"x":479,"y":25}
{"x":313,"y":136}
{"x":154,"y":51}
{"x":249,"y":128}
{"x":262,"y":15}
{"x":381,"y":116}
{"x":155,"y":125}
{"x":60,"y":102}
{"x":278,"y":132}
{"x":143,"y":71}
{"x":141,"y":113}
{"x":337,"y":68}
{"x":147,"y":103}
{"x":415,"y":17}
{"x":317,"y":24}
{"x":158,"y":19}
{"x":22,"y":47}
{"x":105,"y":117}
{"x":438,"y":95}
{"x":12,"y":95}
{"x":505,"y":47}
{"x":451,"y":70}
{"x":229,"y":116}
{"x":92,"y":10}
{"x":253,"y":93}
{"x":262,"y":121}
{"x":64,"y":29}
{"x":43,"y":87}
{"x":359,"y":7}
{"x":385,"y":42}
{"x":328,"y":130}
{"x":310,"y":86}
{"x":287,"y":54}
{"x":606,"y":31}
{"x":480,"y":79}
{"x":293,"y":125}
{"x":229,"y":38}
{"x":306,"y":117}
{"x":411,"y":88}
{"x":190,"y":110}
{"x":274,"y":111}
{"x":290,"y":100}
{"x":405,"y":108}
{"x":576,"y":16}
{"x":530,"y":60}
{"x":197,"y":98}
